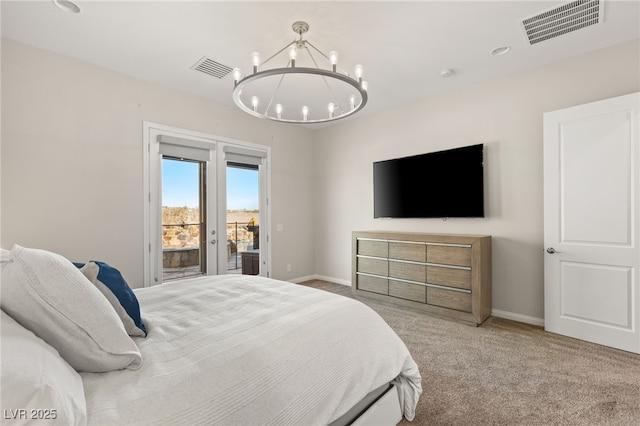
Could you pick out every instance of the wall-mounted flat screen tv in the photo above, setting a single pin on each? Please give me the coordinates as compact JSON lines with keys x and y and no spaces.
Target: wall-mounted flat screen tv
{"x":439,"y":184}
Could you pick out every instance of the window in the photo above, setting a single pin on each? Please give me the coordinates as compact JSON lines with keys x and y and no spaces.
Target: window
{"x":184,"y":226}
{"x":243,"y":218}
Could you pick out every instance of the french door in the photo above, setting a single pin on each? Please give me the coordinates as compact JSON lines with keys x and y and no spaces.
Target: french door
{"x":185,"y":191}
{"x":592,"y":222}
{"x":182,"y":213}
{"x":247,"y":236}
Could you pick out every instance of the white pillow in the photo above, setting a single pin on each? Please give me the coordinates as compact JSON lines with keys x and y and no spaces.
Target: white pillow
{"x":91,"y":270}
{"x":47,"y":294}
{"x":37,"y":385}
{"x":5,"y":257}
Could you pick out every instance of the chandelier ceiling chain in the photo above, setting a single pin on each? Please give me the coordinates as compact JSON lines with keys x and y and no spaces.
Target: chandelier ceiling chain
{"x":300,"y":94}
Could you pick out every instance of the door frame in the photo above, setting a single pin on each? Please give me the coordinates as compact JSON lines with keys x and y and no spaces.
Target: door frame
{"x":152,"y":197}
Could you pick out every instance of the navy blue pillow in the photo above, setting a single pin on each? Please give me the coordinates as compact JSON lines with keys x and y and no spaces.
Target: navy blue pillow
{"x":113,"y":279}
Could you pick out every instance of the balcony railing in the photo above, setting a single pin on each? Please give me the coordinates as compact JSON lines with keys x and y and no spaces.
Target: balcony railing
{"x":181,"y":244}
{"x":241,"y":236}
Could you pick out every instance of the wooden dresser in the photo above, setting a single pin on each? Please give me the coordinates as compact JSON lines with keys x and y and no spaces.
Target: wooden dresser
{"x":442,"y":274}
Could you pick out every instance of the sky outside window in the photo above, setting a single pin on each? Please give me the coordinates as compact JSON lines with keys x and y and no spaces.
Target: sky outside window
{"x":180,"y":183}
{"x":242,"y":189}
{"x":180,"y":186}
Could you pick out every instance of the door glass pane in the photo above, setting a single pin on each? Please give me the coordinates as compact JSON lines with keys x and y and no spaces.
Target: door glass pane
{"x":183,"y":213}
{"x":243,"y":219}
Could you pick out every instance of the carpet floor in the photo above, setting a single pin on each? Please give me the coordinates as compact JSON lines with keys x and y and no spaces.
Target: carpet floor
{"x":509,"y":373}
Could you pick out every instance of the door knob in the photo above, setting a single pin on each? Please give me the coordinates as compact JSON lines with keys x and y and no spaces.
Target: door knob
{"x":551,"y":250}
{"x":213,"y":241}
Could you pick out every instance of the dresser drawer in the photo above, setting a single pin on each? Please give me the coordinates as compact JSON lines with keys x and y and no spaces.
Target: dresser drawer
{"x":373,"y":266}
{"x":415,"y":292}
{"x":450,"y":277}
{"x":449,"y":299}
{"x":416,"y":252}
{"x":449,"y":255}
{"x":407,"y":271}
{"x":373,"y":248}
{"x":373,"y":284}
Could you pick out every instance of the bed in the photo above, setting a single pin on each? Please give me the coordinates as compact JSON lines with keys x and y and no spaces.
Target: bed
{"x":229,"y":350}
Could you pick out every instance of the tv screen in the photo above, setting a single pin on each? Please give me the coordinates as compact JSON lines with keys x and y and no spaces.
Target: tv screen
{"x":434,"y":185}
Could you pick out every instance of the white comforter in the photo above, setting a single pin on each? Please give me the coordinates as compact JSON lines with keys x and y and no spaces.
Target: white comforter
{"x":245,"y":350}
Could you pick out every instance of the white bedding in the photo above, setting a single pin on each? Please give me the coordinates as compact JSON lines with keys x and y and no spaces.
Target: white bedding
{"x":247,"y":350}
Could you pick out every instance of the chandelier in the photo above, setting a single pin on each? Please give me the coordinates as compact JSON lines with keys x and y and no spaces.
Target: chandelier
{"x":301,"y":91}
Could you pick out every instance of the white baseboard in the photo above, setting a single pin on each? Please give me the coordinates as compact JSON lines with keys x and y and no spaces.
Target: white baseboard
{"x":321,"y":277}
{"x":518,"y":317}
{"x":302,"y":279}
{"x":332,"y":280}
{"x":494,"y":312}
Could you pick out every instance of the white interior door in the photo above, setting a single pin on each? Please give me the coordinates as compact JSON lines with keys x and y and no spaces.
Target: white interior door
{"x":592,"y":221}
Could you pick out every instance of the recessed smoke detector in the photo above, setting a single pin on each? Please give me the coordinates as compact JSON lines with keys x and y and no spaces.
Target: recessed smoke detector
{"x":67,"y":6}
{"x":561,"y":20}
{"x":447,"y":72}
{"x":502,"y":50}
{"x":211,"y":67}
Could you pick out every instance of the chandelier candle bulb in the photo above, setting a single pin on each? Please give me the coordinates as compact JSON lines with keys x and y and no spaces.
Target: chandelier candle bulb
{"x":279,"y":111}
{"x":358,"y":71}
{"x":305,"y":113}
{"x":331,"y":107}
{"x":237,"y":75}
{"x":333,"y":58}
{"x":254,"y":102}
{"x":255,"y":60}
{"x":293,"y":55}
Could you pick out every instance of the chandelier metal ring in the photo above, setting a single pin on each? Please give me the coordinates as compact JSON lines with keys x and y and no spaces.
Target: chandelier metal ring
{"x":315,"y":71}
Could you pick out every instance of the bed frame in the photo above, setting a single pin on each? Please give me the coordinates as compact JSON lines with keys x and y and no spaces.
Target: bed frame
{"x":380,"y":407}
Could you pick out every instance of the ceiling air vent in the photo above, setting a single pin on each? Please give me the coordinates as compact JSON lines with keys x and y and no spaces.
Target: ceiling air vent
{"x":211,"y":67}
{"x":562,"y":20}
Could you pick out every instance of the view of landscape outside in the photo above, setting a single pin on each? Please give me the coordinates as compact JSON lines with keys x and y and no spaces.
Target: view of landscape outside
{"x":181,"y":227}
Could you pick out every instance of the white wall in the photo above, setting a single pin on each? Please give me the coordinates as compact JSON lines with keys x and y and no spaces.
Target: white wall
{"x":505,"y":115}
{"x":71,"y":151}
{"x":71,"y":163}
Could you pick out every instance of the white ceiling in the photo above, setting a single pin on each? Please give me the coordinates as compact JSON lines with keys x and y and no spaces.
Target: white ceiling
{"x":403,"y":46}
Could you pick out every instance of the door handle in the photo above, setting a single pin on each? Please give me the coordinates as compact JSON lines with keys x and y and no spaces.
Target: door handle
{"x":214,"y":241}
{"x":551,"y":250}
